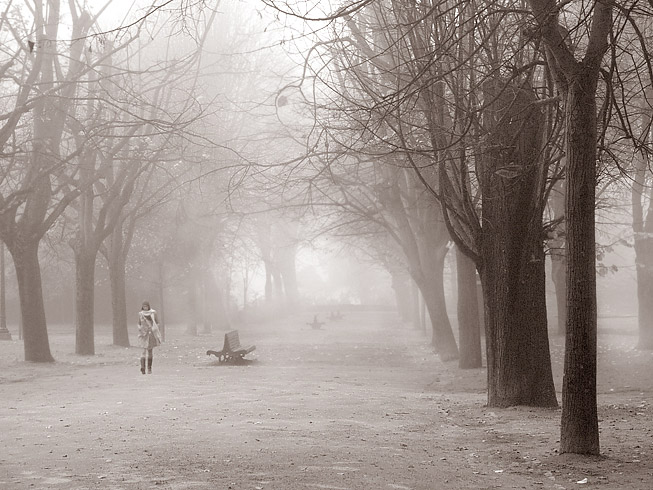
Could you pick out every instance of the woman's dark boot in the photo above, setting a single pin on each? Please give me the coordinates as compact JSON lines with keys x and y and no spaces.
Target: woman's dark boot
{"x":149,"y":365}
{"x":142,"y":365}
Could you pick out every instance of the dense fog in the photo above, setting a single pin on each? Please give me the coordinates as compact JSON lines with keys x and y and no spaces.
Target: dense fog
{"x":468,"y":184}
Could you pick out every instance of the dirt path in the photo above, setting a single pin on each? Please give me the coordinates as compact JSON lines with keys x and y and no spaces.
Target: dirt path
{"x":361,"y":404}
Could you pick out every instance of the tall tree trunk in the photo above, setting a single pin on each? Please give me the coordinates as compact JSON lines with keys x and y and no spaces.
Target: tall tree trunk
{"x":115,"y":255}
{"x":423,"y":315}
{"x":518,"y":357}
{"x":85,"y":252}
{"x":268,"y":281}
{"x":117,"y":281}
{"x":193,"y":304}
{"x":433,"y":247}
{"x":84,"y":298}
{"x":4,"y":332}
{"x":579,"y":424}
{"x":162,"y":309}
{"x":423,"y":237}
{"x":245,"y":292}
{"x":287,"y":264}
{"x":23,"y":234}
{"x":442,"y":338}
{"x":415,"y":302}
{"x":207,"y":301}
{"x":558,"y":248}
{"x":513,"y":270}
{"x":431,"y":285}
{"x":221,"y":315}
{"x":28,"y":275}
{"x":49,"y":118}
{"x":578,"y":81}
{"x":279,"y":293}
{"x":401,"y":289}
{"x":559,"y":278}
{"x":643,"y":230}
{"x":644,"y":264}
{"x":469,"y":325}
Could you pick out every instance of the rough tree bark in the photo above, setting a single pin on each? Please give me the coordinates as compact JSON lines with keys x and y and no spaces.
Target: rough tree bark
{"x":28,"y":275}
{"x":512,"y":271}
{"x":431,"y":285}
{"x":579,"y":427}
{"x":469,"y":327}
{"x":578,"y":81}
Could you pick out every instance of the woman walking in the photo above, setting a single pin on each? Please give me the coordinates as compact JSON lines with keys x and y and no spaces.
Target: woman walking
{"x":149,"y":335}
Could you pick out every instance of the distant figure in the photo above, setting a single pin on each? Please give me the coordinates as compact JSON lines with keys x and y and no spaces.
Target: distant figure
{"x":316,"y":325}
{"x":149,"y":335}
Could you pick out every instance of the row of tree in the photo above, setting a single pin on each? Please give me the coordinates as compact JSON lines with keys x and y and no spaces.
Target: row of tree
{"x":132,"y":144}
{"x":96,"y":129}
{"x":424,"y":123}
{"x":491,"y":124}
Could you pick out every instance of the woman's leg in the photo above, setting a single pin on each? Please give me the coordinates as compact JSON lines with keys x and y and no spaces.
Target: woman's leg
{"x":143,"y":361}
{"x":149,"y":360}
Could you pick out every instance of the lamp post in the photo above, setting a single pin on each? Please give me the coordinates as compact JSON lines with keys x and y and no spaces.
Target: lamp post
{"x":4,"y":333}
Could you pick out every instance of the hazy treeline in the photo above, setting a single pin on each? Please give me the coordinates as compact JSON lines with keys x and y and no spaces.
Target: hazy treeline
{"x":202,"y":144}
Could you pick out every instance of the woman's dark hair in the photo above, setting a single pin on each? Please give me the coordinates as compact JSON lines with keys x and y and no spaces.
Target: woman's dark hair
{"x":146,"y":303}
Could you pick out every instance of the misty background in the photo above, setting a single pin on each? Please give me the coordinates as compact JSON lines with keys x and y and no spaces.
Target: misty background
{"x":234,"y":192}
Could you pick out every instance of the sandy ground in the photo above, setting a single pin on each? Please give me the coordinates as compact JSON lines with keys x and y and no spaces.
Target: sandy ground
{"x":361,"y":404}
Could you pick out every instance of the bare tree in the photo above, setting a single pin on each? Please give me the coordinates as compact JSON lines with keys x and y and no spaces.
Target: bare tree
{"x":577,"y":82}
{"x":42,"y":174}
{"x":118,"y":155}
{"x":427,"y":81}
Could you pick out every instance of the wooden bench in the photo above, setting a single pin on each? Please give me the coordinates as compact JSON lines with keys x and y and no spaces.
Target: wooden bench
{"x":316,"y":325}
{"x":232,"y":350}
